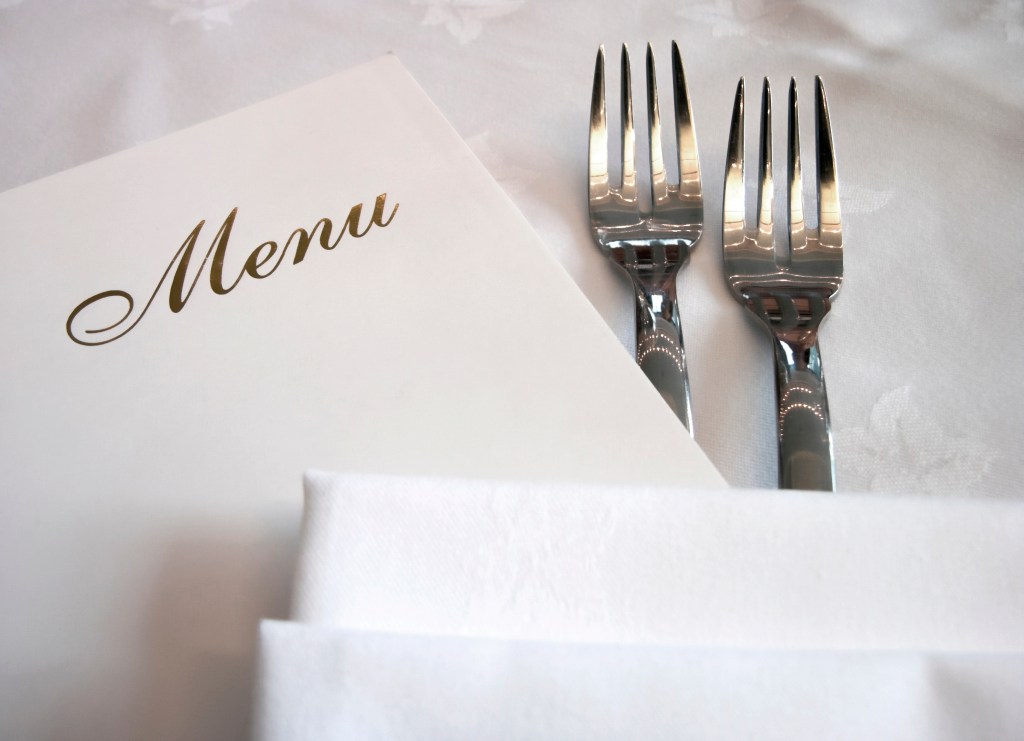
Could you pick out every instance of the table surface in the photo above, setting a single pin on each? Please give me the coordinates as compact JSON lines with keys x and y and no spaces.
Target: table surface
{"x":922,"y":350}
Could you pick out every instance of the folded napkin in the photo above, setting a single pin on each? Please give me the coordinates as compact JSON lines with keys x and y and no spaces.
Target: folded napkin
{"x":441,"y":608}
{"x":319,"y":682}
{"x":592,"y":563}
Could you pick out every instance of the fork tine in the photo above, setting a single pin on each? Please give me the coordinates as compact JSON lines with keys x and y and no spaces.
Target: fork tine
{"x":797,"y":227}
{"x":766,"y":189}
{"x":686,"y":138}
{"x":598,"y":165}
{"x":628,"y":134}
{"x":659,"y":178}
{"x":734,"y":199}
{"x":829,"y":218}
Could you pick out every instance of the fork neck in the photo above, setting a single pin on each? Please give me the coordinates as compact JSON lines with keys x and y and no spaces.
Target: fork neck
{"x":804,"y":427}
{"x":659,"y":344}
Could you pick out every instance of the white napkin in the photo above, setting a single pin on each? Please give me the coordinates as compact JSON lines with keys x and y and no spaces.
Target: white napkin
{"x":439,"y":608}
{"x":319,"y":682}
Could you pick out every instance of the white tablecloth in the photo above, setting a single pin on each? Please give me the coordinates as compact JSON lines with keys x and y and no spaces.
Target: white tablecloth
{"x":922,"y":351}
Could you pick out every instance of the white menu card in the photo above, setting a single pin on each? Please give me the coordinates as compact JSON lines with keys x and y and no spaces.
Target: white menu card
{"x":327,"y":279}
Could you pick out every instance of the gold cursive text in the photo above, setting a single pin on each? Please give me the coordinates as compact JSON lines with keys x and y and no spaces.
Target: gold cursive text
{"x":261,"y":263}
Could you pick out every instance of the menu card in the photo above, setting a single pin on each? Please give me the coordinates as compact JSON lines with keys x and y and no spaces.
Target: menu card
{"x":328,"y":279}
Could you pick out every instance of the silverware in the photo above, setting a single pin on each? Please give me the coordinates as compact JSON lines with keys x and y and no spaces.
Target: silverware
{"x":650,"y":244}
{"x":790,"y":291}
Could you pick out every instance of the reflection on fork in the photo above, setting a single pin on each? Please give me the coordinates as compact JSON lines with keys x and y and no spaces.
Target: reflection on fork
{"x":790,"y":292}
{"x":650,"y":245}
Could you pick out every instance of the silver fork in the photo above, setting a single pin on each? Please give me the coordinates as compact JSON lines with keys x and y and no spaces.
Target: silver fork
{"x":789,"y":292}
{"x":650,"y":245}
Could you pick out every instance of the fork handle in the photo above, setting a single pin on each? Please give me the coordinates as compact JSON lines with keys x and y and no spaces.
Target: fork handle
{"x":805,"y":433}
{"x":659,"y":346}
